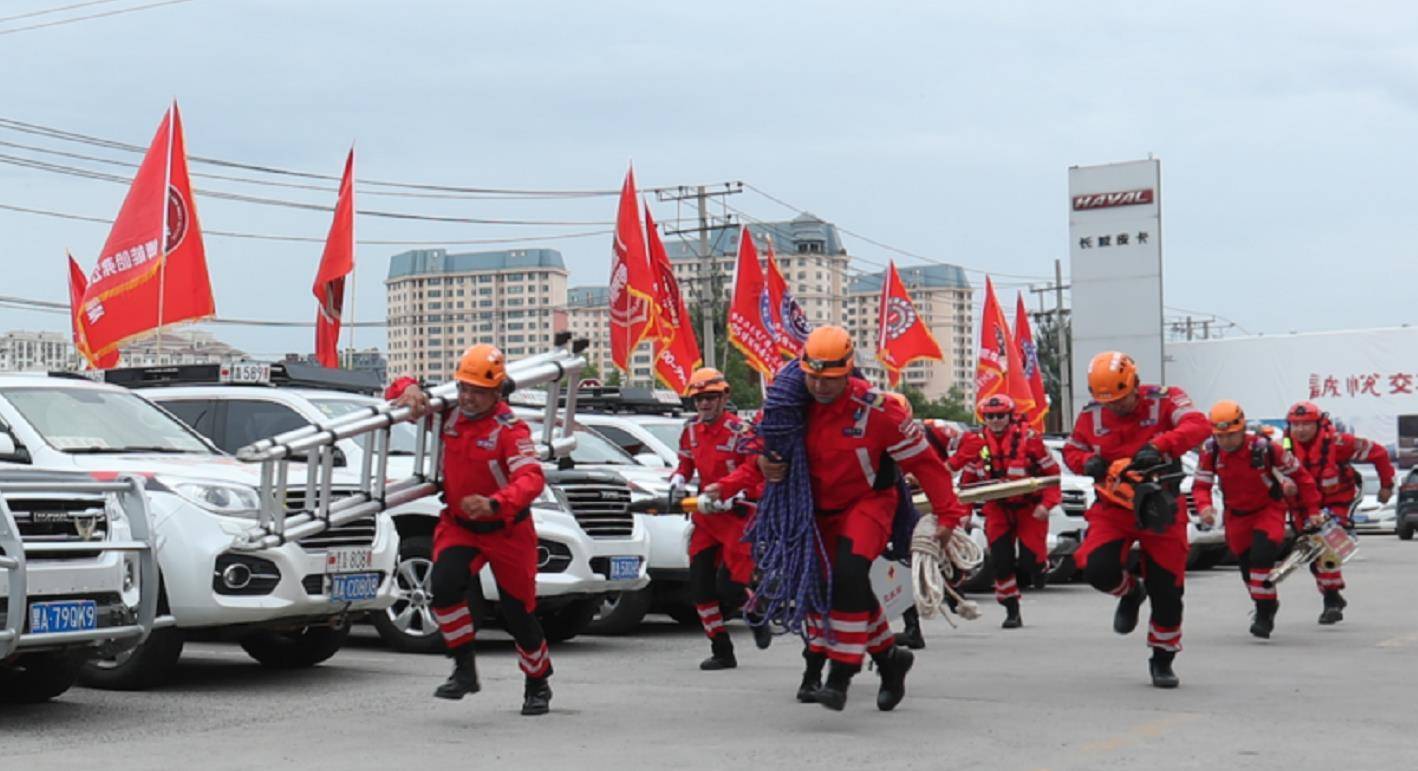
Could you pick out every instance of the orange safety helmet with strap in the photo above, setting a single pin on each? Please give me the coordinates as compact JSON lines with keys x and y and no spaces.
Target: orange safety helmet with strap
{"x":827,"y":353}
{"x":1112,"y":375}
{"x":482,"y":365}
{"x":706,"y":380}
{"x":1227,"y":417}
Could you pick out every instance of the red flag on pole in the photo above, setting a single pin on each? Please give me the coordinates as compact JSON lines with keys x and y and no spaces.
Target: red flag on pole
{"x":336,"y":263}
{"x":790,"y":323}
{"x":77,"y":286}
{"x":676,"y":349}
{"x":632,"y":287}
{"x":1028,"y":358}
{"x":153,"y":268}
{"x":902,"y":335}
{"x":994,"y":372}
{"x":750,"y":311}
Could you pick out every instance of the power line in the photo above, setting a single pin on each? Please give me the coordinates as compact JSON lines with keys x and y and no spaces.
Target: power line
{"x":91,"y":16}
{"x":54,"y":10}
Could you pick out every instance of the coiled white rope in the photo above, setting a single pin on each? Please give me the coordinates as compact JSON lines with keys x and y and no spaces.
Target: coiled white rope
{"x":934,"y":566}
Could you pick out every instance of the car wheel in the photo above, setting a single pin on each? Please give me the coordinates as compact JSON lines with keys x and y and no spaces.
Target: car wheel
{"x":1062,"y":568}
{"x":621,"y":612}
{"x":37,"y":677}
{"x":1404,"y":530}
{"x":295,"y":650}
{"x":569,"y":621}
{"x":408,"y":625}
{"x":137,"y":669}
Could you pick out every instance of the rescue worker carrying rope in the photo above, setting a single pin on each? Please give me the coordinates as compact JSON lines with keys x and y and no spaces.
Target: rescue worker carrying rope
{"x":491,"y":477}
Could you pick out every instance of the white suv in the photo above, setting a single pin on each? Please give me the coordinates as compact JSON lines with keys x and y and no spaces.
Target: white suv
{"x":278,"y":603}
{"x":586,"y":549}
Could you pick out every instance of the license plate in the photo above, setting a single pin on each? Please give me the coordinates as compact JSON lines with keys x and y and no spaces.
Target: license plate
{"x":64,"y":616}
{"x":348,"y":559}
{"x":1361,"y":517}
{"x":624,"y":568}
{"x":250,"y":373}
{"x":353,"y":587}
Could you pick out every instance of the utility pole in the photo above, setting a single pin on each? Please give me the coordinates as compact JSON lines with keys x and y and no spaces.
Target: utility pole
{"x":710,"y":286}
{"x":1065,"y":353}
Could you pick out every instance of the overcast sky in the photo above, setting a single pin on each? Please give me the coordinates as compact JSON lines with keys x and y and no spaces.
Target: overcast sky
{"x":1285,"y":132}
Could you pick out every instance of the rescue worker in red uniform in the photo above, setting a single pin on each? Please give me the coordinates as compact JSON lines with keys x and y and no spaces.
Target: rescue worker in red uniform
{"x":713,"y":443}
{"x":1329,"y":454}
{"x":855,"y":437}
{"x":1261,"y":480}
{"x":1010,"y":451}
{"x":955,"y":447}
{"x":491,"y":475}
{"x":1151,"y":425}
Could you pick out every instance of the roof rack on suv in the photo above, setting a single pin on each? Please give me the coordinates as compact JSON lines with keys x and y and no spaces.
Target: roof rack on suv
{"x":280,"y":374}
{"x":639,"y":401}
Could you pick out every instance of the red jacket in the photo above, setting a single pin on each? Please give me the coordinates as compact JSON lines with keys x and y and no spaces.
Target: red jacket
{"x":1018,"y":453}
{"x":713,"y":449}
{"x":1246,"y":487}
{"x":1328,"y":457}
{"x":1164,"y":416}
{"x":847,"y":442}
{"x":954,"y":446}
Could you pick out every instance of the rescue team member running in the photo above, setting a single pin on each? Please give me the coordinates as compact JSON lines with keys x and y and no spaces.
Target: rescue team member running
{"x":1329,"y":454}
{"x":1258,"y":478}
{"x":1151,"y":425}
{"x":1010,"y":451}
{"x":854,"y":437}
{"x":712,"y":444}
{"x":491,"y":475}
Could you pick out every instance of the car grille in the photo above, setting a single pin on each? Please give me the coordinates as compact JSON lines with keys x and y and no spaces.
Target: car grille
{"x":601,"y":508}
{"x":357,"y":533}
{"x":1074,"y":502}
{"x":60,"y":520}
{"x":295,"y":496}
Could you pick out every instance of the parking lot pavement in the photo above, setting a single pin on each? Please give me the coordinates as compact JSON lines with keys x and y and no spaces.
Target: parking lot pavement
{"x":1063,"y":692}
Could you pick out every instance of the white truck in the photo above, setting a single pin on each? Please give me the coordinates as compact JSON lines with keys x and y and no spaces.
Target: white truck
{"x":584,"y":531}
{"x":78,"y":576}
{"x":288,"y":605}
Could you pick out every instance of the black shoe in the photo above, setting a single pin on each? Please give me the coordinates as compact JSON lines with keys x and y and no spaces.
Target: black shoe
{"x":1160,"y":666}
{"x":910,"y":636}
{"x":722,"y":656}
{"x":464,"y":679}
{"x":1011,"y":615}
{"x":762,"y":635}
{"x":1125,"y":618}
{"x":812,"y":677}
{"x":536,"y":697}
{"x":1264,"y":622}
{"x":833,"y":693}
{"x":893,"y":668}
{"x":1334,"y":605}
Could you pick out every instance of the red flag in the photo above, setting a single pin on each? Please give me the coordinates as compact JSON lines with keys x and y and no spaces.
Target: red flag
{"x":790,"y":323}
{"x":632,"y":288}
{"x":335,"y":264}
{"x":676,"y":349}
{"x":994,"y":372}
{"x":77,"y":286}
{"x":153,"y":268}
{"x":1028,"y":358}
{"x":902,"y":335}
{"x":750,"y":312}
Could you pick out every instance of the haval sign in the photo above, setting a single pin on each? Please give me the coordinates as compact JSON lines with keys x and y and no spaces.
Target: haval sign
{"x":1109,"y":200}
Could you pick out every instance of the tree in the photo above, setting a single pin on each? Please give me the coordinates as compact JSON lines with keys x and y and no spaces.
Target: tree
{"x":613,"y":379}
{"x":951,"y":406}
{"x":590,"y":371}
{"x":1046,"y":339}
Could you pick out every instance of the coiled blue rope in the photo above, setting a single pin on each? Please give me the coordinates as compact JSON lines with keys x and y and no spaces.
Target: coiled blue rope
{"x":795,"y":579}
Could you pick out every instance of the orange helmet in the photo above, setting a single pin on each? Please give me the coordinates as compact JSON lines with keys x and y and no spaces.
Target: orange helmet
{"x":707,"y":380}
{"x":995,"y":404}
{"x":1112,"y":375}
{"x":482,"y":365}
{"x":1227,"y":417}
{"x":1303,"y":412}
{"x":827,"y":353}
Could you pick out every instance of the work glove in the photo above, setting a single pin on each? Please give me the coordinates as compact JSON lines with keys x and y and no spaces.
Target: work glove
{"x":1097,"y":468}
{"x":1147,"y":457}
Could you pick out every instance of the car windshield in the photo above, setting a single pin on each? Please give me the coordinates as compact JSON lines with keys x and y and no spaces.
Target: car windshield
{"x":591,"y":448}
{"x":403,"y":438}
{"x":87,"y":420}
{"x":668,"y":433}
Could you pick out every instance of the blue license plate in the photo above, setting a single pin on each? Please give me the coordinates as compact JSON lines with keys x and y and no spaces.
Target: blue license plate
{"x":353,"y":587}
{"x":625,"y":568}
{"x":1361,"y":517}
{"x":63,"y":616}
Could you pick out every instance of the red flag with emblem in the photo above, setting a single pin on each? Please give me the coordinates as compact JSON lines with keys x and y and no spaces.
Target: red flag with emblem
{"x":153,"y":268}
{"x":994,"y":371}
{"x":790,"y":324}
{"x":78,"y":284}
{"x":902,"y":336}
{"x":750,"y":311}
{"x":676,"y":349}
{"x":1028,"y":358}
{"x":335,"y":263}
{"x":632,"y":287}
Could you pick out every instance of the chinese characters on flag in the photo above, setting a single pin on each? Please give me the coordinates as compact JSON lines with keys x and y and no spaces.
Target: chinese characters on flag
{"x":751,"y":328}
{"x":676,"y":349}
{"x":78,"y":284}
{"x":902,"y":335}
{"x":632,"y":286}
{"x":336,"y":263}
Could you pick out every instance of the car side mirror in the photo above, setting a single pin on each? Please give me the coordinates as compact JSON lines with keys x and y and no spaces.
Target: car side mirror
{"x":12,"y":451}
{"x":651,"y":460}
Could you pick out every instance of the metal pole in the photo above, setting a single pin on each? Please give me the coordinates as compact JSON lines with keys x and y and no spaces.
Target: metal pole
{"x":1065,"y":352}
{"x":1189,"y":327}
{"x":708,"y":269}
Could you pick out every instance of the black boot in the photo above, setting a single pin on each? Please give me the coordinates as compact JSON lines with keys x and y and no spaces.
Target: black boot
{"x":464,"y":679}
{"x":721,"y":654}
{"x":1161,"y":667}
{"x":910,"y":636}
{"x":812,"y":676}
{"x":893,"y":666}
{"x":1334,"y":605}
{"x":1011,"y":614}
{"x":1264,"y":622}
{"x":833,"y":693}
{"x":762,"y":633}
{"x":1125,"y":618}
{"x":536,"y":696}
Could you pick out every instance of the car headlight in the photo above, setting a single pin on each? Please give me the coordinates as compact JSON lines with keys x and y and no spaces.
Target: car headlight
{"x":229,"y":500}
